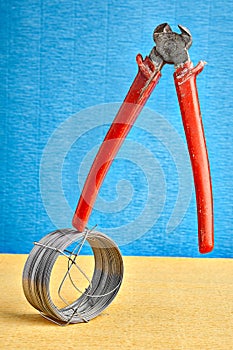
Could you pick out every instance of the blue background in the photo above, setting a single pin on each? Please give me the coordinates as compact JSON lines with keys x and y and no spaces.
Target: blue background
{"x":60,"y":57}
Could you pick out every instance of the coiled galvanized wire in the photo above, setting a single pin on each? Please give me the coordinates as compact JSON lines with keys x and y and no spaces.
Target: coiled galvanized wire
{"x":102,"y":287}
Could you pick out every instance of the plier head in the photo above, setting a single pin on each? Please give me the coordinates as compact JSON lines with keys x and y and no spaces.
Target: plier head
{"x":171,"y":47}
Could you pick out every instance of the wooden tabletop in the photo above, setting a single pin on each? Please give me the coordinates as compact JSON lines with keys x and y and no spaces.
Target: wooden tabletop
{"x":164,"y":303}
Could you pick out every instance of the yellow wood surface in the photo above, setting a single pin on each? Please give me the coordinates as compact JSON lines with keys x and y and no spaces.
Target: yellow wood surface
{"x":164,"y":303}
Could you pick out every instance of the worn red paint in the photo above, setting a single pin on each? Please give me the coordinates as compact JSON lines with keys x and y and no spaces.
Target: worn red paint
{"x":185,"y":82}
{"x":136,"y":98}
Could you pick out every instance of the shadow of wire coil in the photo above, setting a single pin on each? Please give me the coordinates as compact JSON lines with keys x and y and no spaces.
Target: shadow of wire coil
{"x":103,"y":287}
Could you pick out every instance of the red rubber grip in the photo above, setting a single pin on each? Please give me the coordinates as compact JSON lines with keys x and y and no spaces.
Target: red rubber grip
{"x":185,"y":82}
{"x":136,"y":98}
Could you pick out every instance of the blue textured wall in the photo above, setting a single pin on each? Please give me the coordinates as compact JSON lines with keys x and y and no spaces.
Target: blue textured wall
{"x":61,"y":57}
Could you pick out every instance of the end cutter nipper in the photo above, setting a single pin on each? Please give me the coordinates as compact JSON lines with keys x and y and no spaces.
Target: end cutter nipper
{"x":171,"y":48}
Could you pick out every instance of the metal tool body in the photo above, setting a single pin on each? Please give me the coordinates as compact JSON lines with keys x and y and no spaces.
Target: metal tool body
{"x":171,"y":48}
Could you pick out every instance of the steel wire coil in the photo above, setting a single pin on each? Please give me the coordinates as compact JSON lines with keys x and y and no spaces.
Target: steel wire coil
{"x":102,"y":287}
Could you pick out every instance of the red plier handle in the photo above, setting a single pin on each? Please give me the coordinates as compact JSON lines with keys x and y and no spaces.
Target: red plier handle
{"x":185,"y":82}
{"x":170,"y":48}
{"x":139,"y":92}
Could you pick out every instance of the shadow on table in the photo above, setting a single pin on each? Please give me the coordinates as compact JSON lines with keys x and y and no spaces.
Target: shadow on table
{"x":26,"y":319}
